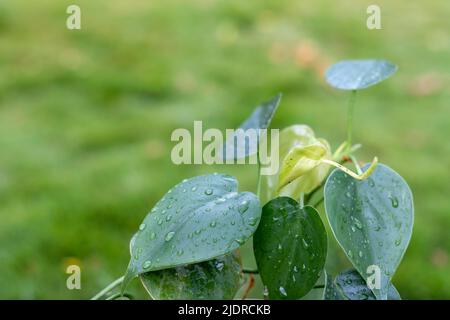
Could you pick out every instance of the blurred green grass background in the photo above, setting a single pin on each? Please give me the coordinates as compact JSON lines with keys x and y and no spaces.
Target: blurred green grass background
{"x":86,"y":118}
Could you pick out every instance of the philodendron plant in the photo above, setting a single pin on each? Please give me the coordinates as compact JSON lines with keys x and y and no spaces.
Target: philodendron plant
{"x":187,"y":247}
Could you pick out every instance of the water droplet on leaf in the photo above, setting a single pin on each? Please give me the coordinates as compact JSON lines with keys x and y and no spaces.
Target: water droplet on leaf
{"x":169,"y":236}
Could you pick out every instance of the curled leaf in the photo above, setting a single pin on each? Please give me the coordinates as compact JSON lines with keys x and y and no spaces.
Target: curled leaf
{"x":300,"y":167}
{"x":300,"y":162}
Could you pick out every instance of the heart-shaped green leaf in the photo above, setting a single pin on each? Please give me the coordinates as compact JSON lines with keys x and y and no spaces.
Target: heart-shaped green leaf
{"x":359,"y":74}
{"x":371,"y":219}
{"x":197,"y":220}
{"x":215,"y":279}
{"x":290,"y":248}
{"x":235,"y":147}
{"x":352,"y":286}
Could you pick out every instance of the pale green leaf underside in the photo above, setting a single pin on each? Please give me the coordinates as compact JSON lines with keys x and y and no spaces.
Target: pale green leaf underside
{"x":371,"y":219}
{"x":260,"y":119}
{"x":197,"y":220}
{"x":359,"y":74}
{"x":349,"y":285}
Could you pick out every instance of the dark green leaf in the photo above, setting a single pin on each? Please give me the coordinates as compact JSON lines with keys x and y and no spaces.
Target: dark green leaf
{"x":290,"y":248}
{"x":197,"y":220}
{"x":371,"y":219}
{"x":359,"y":74}
{"x":353,"y":287}
{"x":316,"y":293}
{"x":235,"y":148}
{"x":215,"y":279}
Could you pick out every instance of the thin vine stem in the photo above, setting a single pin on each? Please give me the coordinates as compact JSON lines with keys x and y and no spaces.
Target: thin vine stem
{"x":258,"y":186}
{"x":355,"y":162}
{"x":108,"y":288}
{"x":351,"y":108}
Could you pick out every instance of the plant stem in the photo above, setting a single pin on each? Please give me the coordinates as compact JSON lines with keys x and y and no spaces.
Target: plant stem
{"x":118,"y":295}
{"x":351,"y":105}
{"x":355,"y":162}
{"x":111,"y":286}
{"x":251,"y":284}
{"x":258,"y":186}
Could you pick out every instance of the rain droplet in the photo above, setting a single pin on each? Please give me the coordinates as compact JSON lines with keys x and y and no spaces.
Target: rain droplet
{"x":394,"y":201}
{"x":147,"y":264}
{"x":252,"y":221}
{"x":305,"y":244}
{"x":295,"y":269}
{"x":169,"y":217}
{"x":152,"y":236}
{"x":360,"y":254}
{"x":240,"y":241}
{"x":219,"y":265}
{"x":142,"y":226}
{"x":180,"y":252}
{"x":398,"y":242}
{"x":213,"y":224}
{"x":169,"y":236}
{"x":194,"y":189}
{"x":280,"y":247}
{"x":283,"y":291}
{"x":243,"y":207}
{"x":350,"y":254}
{"x":209,"y":192}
